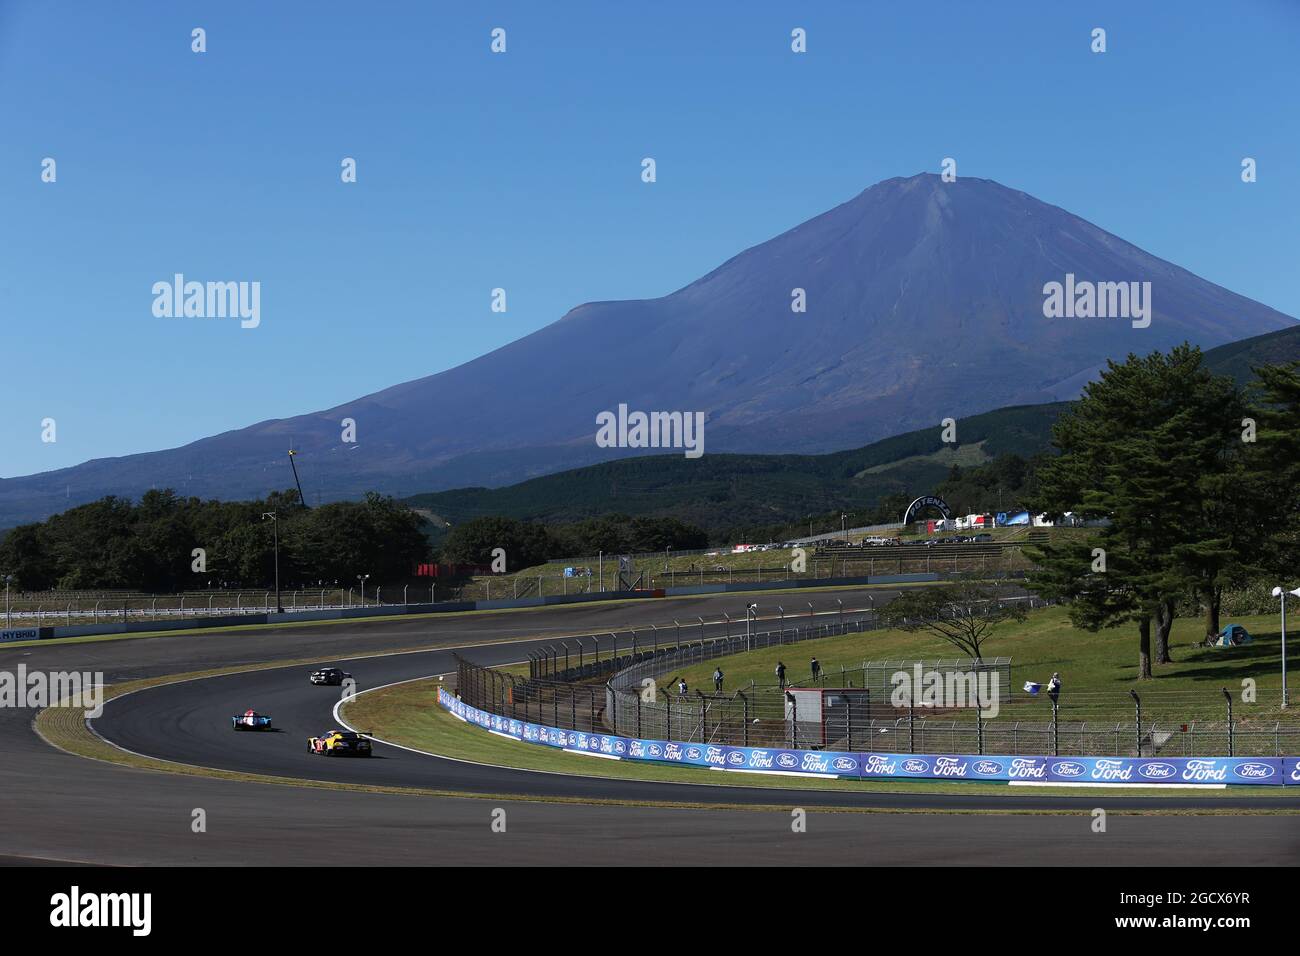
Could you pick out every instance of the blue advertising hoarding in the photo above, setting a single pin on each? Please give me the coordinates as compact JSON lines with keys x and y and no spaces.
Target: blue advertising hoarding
{"x":1142,"y":771}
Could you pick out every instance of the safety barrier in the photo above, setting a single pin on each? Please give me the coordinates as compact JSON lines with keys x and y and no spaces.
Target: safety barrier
{"x":136,"y":624}
{"x":1154,"y":771}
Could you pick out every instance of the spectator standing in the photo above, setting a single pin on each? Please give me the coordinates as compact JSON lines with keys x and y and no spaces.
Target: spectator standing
{"x":1054,"y":687}
{"x":780,"y":674}
{"x":717,"y":680}
{"x":681,"y":687}
{"x":816,"y":669}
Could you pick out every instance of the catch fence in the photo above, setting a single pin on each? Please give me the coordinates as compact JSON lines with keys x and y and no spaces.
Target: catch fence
{"x":626,"y":683}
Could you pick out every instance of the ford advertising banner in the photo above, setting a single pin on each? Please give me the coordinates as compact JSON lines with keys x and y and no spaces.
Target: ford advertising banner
{"x":1255,"y":771}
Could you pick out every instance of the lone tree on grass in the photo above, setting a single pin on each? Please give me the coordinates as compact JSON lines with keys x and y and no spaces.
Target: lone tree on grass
{"x":964,"y":613}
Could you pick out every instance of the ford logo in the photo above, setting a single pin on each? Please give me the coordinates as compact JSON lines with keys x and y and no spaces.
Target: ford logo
{"x":915,"y":766}
{"x":786,"y":760}
{"x":735,"y":758}
{"x":692,"y":753}
{"x":988,"y":768}
{"x":844,"y":764}
{"x":656,"y":750}
{"x":1254,"y":771}
{"x":1157,"y":771}
{"x":1068,"y":768}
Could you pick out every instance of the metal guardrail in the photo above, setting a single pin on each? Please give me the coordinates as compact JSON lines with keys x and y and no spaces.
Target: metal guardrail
{"x":62,"y":609}
{"x":866,"y":529}
{"x":875,"y":562}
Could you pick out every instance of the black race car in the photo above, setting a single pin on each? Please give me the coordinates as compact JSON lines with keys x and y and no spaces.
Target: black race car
{"x":329,"y":675}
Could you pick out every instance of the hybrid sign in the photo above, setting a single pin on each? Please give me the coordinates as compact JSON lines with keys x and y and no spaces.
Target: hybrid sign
{"x":1140,"y":771}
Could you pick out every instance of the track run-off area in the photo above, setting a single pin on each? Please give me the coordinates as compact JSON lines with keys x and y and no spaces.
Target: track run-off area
{"x":402,"y":807}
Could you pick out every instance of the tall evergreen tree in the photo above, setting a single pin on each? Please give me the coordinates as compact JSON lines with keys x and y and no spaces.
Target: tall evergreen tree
{"x":1143,"y":450}
{"x":1278,"y":444}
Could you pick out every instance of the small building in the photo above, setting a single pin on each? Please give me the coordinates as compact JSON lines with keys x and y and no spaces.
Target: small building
{"x":820,"y":717}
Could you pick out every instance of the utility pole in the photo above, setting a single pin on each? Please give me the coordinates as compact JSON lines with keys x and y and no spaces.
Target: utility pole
{"x":275,"y":526}
{"x":1279,"y":592}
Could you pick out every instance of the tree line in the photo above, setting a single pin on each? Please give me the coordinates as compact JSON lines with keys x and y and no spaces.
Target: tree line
{"x":528,"y":543}
{"x":165,"y":543}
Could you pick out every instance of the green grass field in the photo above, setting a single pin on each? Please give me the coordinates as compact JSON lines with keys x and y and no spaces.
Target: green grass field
{"x":682,"y":569}
{"x":1097,"y":670}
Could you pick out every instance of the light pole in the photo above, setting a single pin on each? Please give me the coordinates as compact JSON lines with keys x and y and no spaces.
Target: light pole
{"x":8,"y":578}
{"x":1232,"y":752}
{"x":750,"y":612}
{"x":362,"y":578}
{"x":275,"y":527}
{"x":1137,"y":702}
{"x":1279,"y":592}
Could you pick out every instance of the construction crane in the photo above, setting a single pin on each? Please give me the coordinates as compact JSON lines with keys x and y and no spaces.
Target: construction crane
{"x":301,"y":497}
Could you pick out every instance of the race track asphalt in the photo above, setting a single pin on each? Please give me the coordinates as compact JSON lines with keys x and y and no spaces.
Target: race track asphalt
{"x":55,"y":806}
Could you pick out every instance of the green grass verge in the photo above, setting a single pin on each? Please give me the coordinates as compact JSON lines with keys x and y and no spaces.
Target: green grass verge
{"x":408,"y":714}
{"x":1104,"y":663}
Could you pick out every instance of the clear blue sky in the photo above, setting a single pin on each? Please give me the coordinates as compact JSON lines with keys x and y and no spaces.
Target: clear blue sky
{"x":522,"y":171}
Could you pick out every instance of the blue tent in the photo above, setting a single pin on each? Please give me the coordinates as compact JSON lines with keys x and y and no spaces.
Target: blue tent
{"x":1233,"y":635}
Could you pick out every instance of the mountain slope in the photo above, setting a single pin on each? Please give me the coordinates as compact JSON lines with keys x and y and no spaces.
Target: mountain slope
{"x":721,"y":491}
{"x":924,"y":301}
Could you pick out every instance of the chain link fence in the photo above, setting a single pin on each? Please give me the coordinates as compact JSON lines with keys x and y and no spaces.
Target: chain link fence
{"x":53,"y":608}
{"x":627,"y":683}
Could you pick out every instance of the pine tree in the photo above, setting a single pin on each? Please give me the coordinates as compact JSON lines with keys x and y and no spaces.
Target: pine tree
{"x":1141,"y":450}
